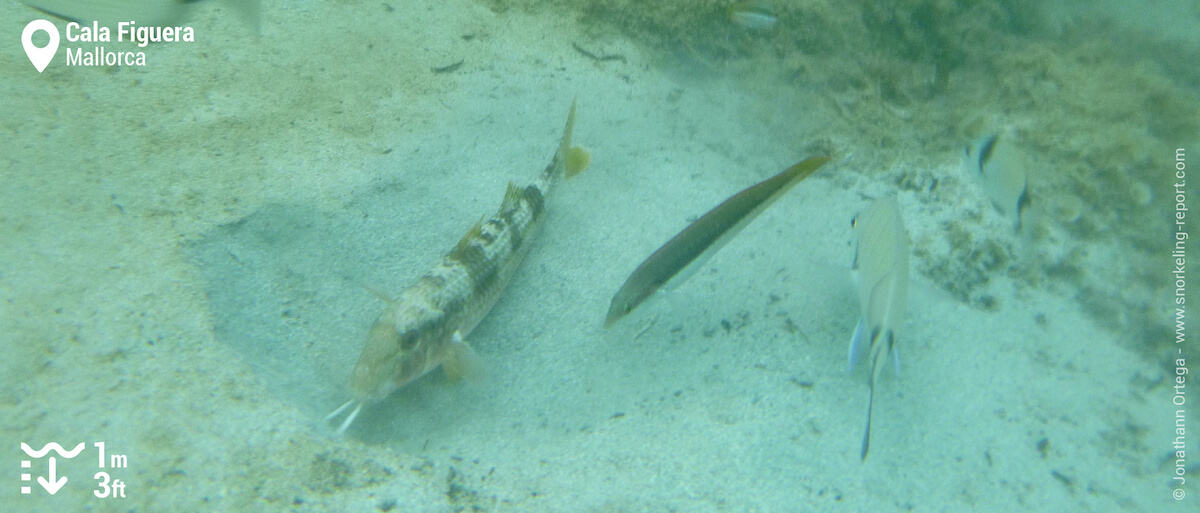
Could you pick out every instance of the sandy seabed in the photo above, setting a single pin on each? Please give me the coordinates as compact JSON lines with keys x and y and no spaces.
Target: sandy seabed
{"x":185,"y":247}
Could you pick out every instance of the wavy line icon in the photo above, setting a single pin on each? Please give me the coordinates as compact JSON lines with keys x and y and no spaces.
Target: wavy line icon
{"x":51,"y":446}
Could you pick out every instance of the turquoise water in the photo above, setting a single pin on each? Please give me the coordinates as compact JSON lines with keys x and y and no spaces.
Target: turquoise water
{"x":190,"y":248}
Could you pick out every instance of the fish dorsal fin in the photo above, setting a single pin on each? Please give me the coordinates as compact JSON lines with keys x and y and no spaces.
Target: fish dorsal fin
{"x":513,"y":196}
{"x":472,"y":234}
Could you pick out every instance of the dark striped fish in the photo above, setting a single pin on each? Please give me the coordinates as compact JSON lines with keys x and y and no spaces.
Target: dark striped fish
{"x":425,"y":326}
{"x":1000,"y":169}
{"x":676,"y":260}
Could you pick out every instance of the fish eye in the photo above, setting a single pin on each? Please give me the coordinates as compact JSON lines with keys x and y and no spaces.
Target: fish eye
{"x":408,"y":340}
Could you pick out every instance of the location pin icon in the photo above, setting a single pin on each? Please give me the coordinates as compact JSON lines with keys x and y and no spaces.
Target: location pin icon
{"x":40,"y":57}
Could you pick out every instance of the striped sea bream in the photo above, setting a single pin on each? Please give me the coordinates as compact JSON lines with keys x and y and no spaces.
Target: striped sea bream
{"x":426,"y":325}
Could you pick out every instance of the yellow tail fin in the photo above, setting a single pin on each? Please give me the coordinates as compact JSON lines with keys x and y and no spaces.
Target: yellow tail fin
{"x":577,"y":160}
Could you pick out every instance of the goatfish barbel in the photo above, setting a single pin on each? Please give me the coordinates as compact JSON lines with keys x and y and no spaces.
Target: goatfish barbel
{"x":881,"y":272}
{"x":678,"y":259}
{"x":426,"y":325}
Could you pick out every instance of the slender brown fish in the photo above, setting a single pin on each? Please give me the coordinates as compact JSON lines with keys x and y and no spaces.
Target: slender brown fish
{"x":680,"y":256}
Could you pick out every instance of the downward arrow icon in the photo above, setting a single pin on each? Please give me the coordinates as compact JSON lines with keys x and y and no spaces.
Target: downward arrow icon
{"x":52,"y":485}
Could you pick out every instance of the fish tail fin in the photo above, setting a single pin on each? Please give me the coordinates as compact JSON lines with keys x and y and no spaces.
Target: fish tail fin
{"x":858,"y":345}
{"x":881,"y":345}
{"x":895,"y":350}
{"x":866,"y":441}
{"x":561,"y":163}
{"x":577,"y":160}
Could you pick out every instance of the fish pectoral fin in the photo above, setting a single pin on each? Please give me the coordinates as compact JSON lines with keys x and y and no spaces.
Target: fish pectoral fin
{"x":461,"y":362}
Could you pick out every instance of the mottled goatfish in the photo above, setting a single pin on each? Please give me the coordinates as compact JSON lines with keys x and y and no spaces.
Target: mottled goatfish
{"x":880,"y":271}
{"x":753,"y":14}
{"x":1000,"y":170}
{"x":679,"y":258}
{"x":143,"y":12}
{"x":426,"y":325}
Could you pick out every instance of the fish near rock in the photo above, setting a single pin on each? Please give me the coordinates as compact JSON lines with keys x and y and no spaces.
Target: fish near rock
{"x":880,"y":272}
{"x":1001,"y":170}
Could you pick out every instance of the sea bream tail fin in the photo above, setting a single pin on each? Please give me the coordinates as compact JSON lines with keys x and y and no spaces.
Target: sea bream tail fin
{"x":896,"y":358}
{"x":866,"y":441}
{"x":858,"y":345}
{"x":881,"y":345}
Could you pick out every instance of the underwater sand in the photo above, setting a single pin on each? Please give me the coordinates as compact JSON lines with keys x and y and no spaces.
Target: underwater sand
{"x":186,"y":250}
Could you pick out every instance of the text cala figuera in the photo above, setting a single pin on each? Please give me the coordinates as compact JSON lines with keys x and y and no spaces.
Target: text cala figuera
{"x":126,"y":31}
